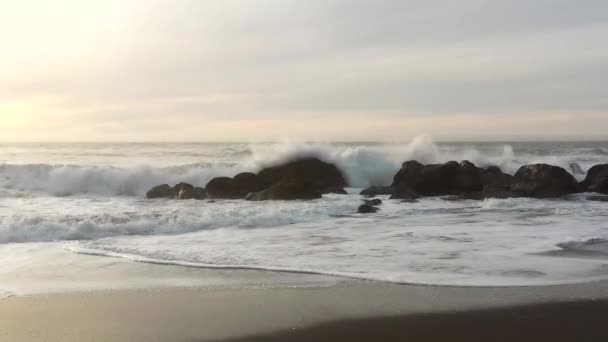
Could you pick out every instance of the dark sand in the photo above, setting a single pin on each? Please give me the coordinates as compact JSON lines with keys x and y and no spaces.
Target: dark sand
{"x":66,"y":297}
{"x":572,"y":321}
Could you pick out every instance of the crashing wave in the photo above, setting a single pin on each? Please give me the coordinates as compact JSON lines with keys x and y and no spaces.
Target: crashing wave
{"x":363,"y":165}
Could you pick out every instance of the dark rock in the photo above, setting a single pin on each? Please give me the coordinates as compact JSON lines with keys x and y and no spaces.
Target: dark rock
{"x":373,"y":201}
{"x":377,"y":190}
{"x":597,"y":179}
{"x":192,"y":193}
{"x":223,"y":187}
{"x":248,"y":182}
{"x":404,"y":191}
{"x":543,"y":181}
{"x":366,"y":209}
{"x":288,"y":189}
{"x":597,"y":198}
{"x":451,"y":178}
{"x":161,"y":191}
{"x":320,"y":176}
{"x":184,"y":191}
{"x":496,"y":184}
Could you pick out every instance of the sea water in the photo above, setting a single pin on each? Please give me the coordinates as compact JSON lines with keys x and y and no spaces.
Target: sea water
{"x":92,"y":195}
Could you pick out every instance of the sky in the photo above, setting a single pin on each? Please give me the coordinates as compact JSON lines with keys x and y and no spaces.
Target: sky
{"x":325,"y":70}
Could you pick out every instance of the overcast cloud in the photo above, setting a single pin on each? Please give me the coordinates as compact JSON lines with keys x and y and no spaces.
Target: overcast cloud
{"x":323,"y":70}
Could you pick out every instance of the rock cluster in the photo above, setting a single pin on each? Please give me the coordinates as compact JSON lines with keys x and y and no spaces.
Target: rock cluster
{"x":310,"y":178}
{"x":301,"y":179}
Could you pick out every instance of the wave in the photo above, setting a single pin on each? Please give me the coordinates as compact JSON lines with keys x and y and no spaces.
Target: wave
{"x":364,"y":165}
{"x":63,"y":180}
{"x":89,"y":219}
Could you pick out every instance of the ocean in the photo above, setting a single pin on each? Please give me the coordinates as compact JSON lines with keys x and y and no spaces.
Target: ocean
{"x":89,"y":199}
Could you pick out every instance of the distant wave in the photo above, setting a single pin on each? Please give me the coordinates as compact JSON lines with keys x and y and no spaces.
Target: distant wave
{"x":363,"y":165}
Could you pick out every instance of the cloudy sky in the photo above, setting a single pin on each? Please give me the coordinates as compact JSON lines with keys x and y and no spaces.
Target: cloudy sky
{"x":251,"y":70}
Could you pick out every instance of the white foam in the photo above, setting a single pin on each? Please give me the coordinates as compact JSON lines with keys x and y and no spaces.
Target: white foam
{"x":363,"y":164}
{"x":492,"y":242}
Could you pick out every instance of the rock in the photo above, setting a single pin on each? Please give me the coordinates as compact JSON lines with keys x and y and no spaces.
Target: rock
{"x":543,"y":181}
{"x":576,"y":169}
{"x":248,"y":182}
{"x":597,"y":198}
{"x":321,"y":176}
{"x":223,"y":187}
{"x":404,"y":191}
{"x":183,"y":190}
{"x":451,"y":178}
{"x":377,"y":190}
{"x":161,"y":191}
{"x":192,"y":193}
{"x":287,"y":189}
{"x":373,"y":201}
{"x":234,"y":188}
{"x":496,"y":184}
{"x":366,"y":209}
{"x":597,"y":179}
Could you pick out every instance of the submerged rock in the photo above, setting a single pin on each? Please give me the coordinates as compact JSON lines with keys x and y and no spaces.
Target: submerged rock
{"x":597,"y":198}
{"x":543,"y":181}
{"x":367,"y":209}
{"x":373,"y":201}
{"x":597,"y":179}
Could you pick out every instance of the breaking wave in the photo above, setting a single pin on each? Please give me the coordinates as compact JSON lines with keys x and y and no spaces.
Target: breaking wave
{"x":363,"y":165}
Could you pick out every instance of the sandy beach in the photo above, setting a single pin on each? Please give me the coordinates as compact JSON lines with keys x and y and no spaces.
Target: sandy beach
{"x":144,"y":302}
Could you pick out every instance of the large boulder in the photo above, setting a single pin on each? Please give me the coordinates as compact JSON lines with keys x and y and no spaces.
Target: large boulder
{"x":161,"y":191}
{"x":185,"y":191}
{"x":597,"y":179}
{"x":223,"y":187}
{"x":235,"y":188}
{"x":451,"y":178}
{"x":286,"y":189}
{"x":496,"y":184}
{"x":248,"y":182}
{"x":543,"y":181}
{"x":373,"y":201}
{"x":320,"y":176}
{"x":180,"y":191}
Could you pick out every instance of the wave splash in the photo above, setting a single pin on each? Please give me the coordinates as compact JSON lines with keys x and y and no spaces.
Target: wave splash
{"x":364,"y":165}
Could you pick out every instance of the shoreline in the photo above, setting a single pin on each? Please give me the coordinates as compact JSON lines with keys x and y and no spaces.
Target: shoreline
{"x":63,"y":296}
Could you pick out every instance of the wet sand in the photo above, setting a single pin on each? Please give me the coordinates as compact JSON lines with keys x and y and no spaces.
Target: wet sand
{"x":104,"y":299}
{"x":571,"y":321}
